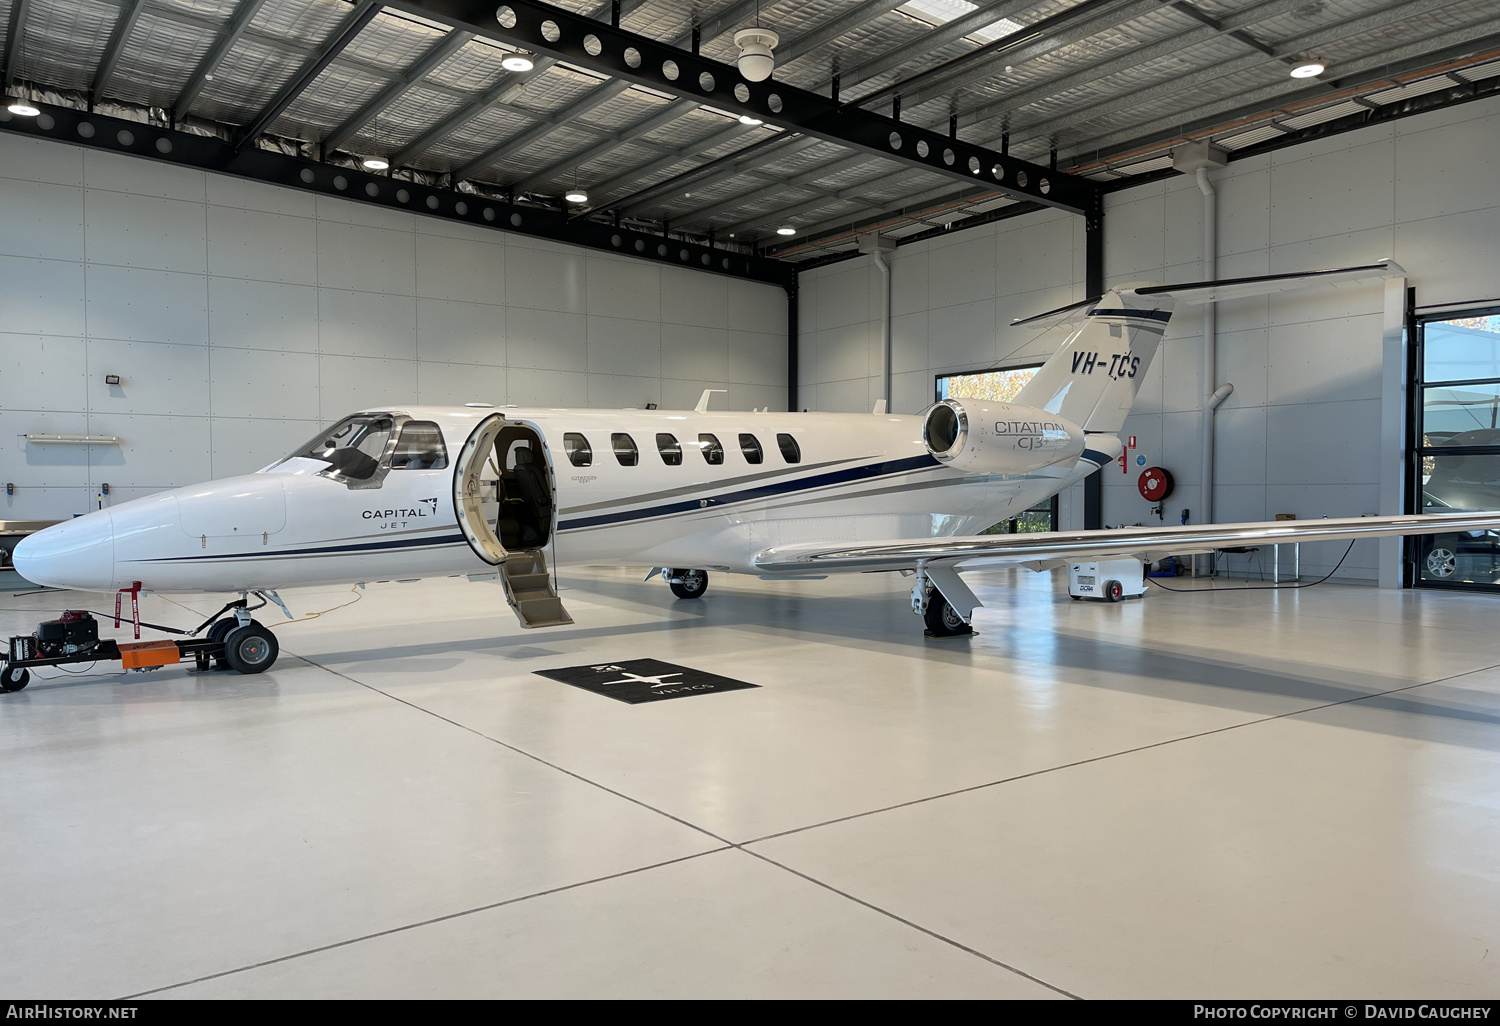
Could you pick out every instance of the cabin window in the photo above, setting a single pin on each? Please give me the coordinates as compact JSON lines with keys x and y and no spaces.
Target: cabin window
{"x":750,"y":446}
{"x":713,"y":452}
{"x":670,"y":449}
{"x":420,"y":447}
{"x":790,"y":451}
{"x":625,"y":450}
{"x":580,"y":453}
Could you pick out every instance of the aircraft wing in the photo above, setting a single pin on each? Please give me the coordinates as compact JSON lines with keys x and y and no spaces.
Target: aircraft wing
{"x":1045,"y":550}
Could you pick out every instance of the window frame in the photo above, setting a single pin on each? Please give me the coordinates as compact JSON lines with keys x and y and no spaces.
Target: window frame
{"x":587,"y":449}
{"x":1414,"y":550}
{"x":714,"y":445}
{"x":760,"y":450}
{"x":664,"y":451}
{"x":783,"y":439}
{"x":442,"y":442}
{"x":635,"y":450}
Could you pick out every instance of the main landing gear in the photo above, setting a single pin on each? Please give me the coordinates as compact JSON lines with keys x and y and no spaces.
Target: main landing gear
{"x":936,"y":611}
{"x":688,"y":584}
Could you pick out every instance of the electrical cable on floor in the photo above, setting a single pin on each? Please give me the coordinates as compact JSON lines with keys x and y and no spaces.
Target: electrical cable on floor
{"x":313,"y":616}
{"x":1273,"y":587}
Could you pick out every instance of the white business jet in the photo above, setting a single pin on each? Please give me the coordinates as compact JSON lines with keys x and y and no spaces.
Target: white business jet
{"x":441,"y":491}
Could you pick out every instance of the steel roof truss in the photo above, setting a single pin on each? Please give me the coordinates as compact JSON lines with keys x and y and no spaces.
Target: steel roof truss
{"x":634,"y":58}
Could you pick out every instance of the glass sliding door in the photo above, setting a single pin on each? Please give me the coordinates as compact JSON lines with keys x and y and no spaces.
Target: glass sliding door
{"x":1001,"y":386}
{"x":1456,"y":460}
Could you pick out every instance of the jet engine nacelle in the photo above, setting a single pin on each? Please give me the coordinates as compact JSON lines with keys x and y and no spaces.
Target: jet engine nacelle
{"x":998,"y":438}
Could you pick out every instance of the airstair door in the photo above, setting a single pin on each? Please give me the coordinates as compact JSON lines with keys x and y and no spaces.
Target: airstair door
{"x":506,"y":511}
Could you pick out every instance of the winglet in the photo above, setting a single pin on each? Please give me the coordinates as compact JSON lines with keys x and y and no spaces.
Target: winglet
{"x":879,"y":409}
{"x":702,"y":406}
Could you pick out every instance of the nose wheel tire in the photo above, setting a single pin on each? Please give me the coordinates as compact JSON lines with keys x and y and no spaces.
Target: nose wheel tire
{"x":250,"y":649}
{"x":689,"y":584}
{"x":942,"y":619}
{"x":14,"y":679}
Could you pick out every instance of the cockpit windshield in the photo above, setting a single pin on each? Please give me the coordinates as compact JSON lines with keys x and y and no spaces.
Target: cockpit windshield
{"x":353,"y":447}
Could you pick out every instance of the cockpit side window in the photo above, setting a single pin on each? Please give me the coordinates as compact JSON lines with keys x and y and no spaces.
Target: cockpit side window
{"x":713,"y":452}
{"x":580,"y":453}
{"x":420,"y":447}
{"x":750,"y":446}
{"x":353,"y":447}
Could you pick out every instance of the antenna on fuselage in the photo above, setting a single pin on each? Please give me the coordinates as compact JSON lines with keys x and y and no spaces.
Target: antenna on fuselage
{"x":702,"y":406}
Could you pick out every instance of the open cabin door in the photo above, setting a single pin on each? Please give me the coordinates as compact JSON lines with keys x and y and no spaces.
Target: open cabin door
{"x":503,"y":496}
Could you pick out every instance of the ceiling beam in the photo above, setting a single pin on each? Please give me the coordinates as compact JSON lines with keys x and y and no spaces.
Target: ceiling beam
{"x":209,"y":153}
{"x":14,"y":31}
{"x":635,"y":58}
{"x":497,"y":93}
{"x":852,"y":193}
{"x":334,"y":45}
{"x":227,"y":37}
{"x":703,"y":175}
{"x":124,"y":23}
{"x":801,"y":180}
{"x":424,"y":65}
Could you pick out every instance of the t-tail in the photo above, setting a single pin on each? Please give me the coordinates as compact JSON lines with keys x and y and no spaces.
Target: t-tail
{"x":1092,"y":380}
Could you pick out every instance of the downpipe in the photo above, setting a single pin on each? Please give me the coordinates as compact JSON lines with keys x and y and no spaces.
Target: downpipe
{"x":885,"y":328}
{"x":1210,"y":351}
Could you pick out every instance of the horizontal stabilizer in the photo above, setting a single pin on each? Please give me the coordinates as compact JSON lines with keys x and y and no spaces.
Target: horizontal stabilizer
{"x":1198,"y":292}
{"x":1071,"y":312}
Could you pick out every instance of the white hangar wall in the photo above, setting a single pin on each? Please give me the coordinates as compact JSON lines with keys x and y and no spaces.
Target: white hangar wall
{"x":1301,"y":433}
{"x":241,"y":317}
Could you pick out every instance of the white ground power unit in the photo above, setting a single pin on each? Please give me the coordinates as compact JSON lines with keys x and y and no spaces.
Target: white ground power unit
{"x":1107,"y":579}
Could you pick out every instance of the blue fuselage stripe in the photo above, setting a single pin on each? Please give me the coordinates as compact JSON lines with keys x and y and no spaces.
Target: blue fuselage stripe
{"x":864,"y":473}
{"x":1095,"y":456}
{"x":328,"y":550}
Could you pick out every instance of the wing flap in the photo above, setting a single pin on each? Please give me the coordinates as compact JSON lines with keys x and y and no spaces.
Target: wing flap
{"x":1044,"y":550}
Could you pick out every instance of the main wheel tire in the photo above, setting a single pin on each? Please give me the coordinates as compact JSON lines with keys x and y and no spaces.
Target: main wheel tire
{"x":1114,"y":590}
{"x":689,"y":584}
{"x":942,"y":619}
{"x":1441,"y":562}
{"x":250,"y":649}
{"x":14,"y":679}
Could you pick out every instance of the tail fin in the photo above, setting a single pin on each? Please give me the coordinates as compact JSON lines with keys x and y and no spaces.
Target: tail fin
{"x":1093,"y":378}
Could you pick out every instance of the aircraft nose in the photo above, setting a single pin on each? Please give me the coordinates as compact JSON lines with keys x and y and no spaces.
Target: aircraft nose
{"x":78,"y":553}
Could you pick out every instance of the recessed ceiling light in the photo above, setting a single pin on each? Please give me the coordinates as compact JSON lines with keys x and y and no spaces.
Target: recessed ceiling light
{"x":786,"y":229}
{"x":375,"y":163}
{"x":576,"y":195}
{"x":517,"y":62}
{"x":746,"y":119}
{"x":1312,"y":69}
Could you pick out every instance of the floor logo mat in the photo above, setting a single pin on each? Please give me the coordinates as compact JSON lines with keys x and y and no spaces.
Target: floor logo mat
{"x":644,"y":680}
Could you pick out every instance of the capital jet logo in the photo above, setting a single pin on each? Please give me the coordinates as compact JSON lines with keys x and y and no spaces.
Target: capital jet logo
{"x":431,"y":505}
{"x":643,"y":680}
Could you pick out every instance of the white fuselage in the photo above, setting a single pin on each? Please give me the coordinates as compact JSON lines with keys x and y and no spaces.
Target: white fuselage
{"x":857,"y":477}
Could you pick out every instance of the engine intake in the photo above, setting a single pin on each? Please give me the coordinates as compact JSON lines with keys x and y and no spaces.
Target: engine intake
{"x":998,"y":438}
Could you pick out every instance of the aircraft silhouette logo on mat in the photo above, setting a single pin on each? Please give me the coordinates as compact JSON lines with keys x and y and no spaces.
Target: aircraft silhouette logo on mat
{"x":643,"y":680}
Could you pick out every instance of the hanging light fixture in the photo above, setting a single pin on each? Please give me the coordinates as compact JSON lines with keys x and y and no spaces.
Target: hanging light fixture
{"x":1309,"y":69}
{"x":19,"y":103}
{"x":375,"y":163}
{"x":517,"y":62}
{"x":786,"y":229}
{"x":746,"y":119}
{"x":576,"y":195}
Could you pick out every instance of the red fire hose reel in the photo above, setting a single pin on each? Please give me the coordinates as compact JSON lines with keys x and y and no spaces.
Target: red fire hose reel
{"x":1155,"y":484}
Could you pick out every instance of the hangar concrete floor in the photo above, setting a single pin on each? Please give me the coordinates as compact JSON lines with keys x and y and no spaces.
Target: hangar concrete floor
{"x":1236,"y":795}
